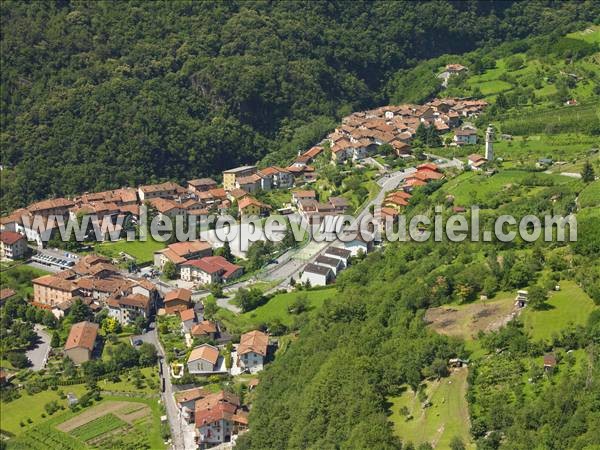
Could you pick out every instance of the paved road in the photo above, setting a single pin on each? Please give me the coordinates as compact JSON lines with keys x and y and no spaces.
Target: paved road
{"x":39,"y":355}
{"x":177,"y":439}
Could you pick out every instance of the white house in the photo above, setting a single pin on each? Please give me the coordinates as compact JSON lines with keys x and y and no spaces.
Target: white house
{"x":358,"y":243}
{"x":317,"y":275}
{"x":334,"y":264}
{"x":340,"y":253}
{"x":465,"y":136}
{"x":252,"y":351}
{"x":204,"y":359}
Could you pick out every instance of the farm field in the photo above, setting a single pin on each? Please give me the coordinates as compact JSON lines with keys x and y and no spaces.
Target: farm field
{"x":467,"y":320}
{"x":473,"y":187}
{"x":569,"y":306}
{"x":100,"y":426}
{"x":447,"y":417}
{"x":143,"y":252}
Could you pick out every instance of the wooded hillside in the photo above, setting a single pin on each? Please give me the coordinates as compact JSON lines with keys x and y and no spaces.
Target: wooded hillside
{"x":97,"y":95}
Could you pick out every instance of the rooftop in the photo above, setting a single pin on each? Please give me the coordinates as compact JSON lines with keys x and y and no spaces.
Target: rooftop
{"x":82,"y":334}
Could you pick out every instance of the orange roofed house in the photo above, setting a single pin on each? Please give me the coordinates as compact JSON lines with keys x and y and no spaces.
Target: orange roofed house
{"x":81,"y":341}
{"x":252,"y":351}
{"x":177,"y":300}
{"x":180,"y":252}
{"x":218,"y":417}
{"x":52,"y":290}
{"x":13,"y":245}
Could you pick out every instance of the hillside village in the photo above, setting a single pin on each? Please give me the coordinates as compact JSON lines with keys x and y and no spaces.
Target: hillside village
{"x":204,"y":347}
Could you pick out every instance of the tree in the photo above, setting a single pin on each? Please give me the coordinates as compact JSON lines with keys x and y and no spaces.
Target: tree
{"x":299,"y":305}
{"x":169,"y":270}
{"x":587,"y":173}
{"x":456,"y":443}
{"x":79,"y":312}
{"x":55,"y":342}
{"x":147,"y":354}
{"x":19,"y":360}
{"x":225,"y":252}
{"x":111,"y":325}
{"x":501,"y":101}
{"x":537,"y":297}
{"x":249,"y":299}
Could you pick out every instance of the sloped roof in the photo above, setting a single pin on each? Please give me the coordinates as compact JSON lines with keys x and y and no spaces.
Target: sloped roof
{"x":254,"y":341}
{"x":205,"y":352}
{"x":178,"y":294}
{"x":82,"y":334}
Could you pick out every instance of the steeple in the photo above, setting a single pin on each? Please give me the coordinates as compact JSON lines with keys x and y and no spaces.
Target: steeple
{"x":489,"y":143}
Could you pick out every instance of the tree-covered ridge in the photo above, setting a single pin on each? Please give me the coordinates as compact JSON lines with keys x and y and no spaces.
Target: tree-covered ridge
{"x":97,"y":95}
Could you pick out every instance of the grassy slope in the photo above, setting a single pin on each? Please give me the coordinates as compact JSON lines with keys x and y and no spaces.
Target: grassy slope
{"x":568,"y":306}
{"x":590,"y":196}
{"x":18,"y":277}
{"x":276,"y":308}
{"x":470,"y":185}
{"x":141,"y":251}
{"x":31,"y":406}
{"x":448,"y":416}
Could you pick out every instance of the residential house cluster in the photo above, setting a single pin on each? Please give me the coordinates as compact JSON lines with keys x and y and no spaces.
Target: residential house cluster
{"x":217,"y":417}
{"x":424,"y":174}
{"x":99,"y":284}
{"x":327,"y":265}
{"x":362,"y":132}
{"x":179,"y":253}
{"x":311,"y":209}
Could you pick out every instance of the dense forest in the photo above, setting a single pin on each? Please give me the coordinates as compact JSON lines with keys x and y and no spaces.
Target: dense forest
{"x":98,"y":95}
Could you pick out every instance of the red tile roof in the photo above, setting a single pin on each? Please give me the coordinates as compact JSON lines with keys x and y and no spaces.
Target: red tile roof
{"x":254,"y":341}
{"x":82,"y":334}
{"x":204,"y":328}
{"x":187,"y":314}
{"x":10,"y":237}
{"x":205,"y":352}
{"x":214,"y":264}
{"x":178,"y":294}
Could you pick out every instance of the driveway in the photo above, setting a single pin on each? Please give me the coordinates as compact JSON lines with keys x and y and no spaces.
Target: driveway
{"x":39,"y":355}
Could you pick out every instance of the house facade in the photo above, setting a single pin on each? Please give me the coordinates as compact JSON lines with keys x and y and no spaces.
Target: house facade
{"x":81,"y":342}
{"x":317,"y":275}
{"x":252,"y":351}
{"x":13,"y":245}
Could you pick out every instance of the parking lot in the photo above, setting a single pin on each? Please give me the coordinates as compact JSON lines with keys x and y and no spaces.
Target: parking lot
{"x":54,"y":259}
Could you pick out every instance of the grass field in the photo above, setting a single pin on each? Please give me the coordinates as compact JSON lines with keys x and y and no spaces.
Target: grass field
{"x":32,"y":407}
{"x":475,"y":187}
{"x":141,"y":251}
{"x":466,"y":320}
{"x":590,"y":34}
{"x":590,"y":196}
{"x":569,"y":306}
{"x":150,"y":382}
{"x":276,"y":308}
{"x":447,"y":417}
